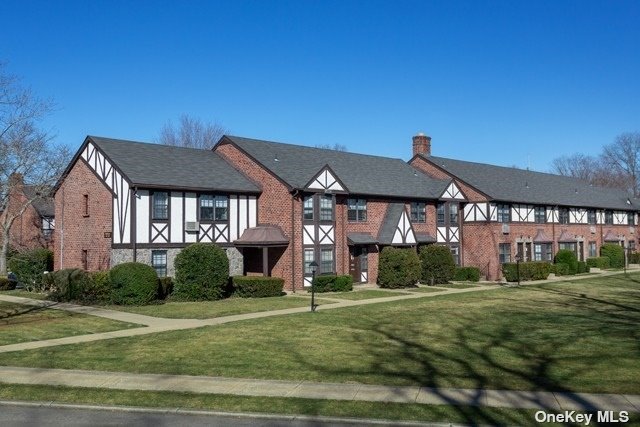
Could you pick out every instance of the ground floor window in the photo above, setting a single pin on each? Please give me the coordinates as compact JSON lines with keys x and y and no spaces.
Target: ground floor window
{"x":571,"y":246}
{"x":159,"y":262}
{"x":308,"y":259}
{"x":504,"y":252}
{"x":593,"y":249}
{"x":455,"y":252}
{"x":543,"y":252}
{"x":326,"y":261}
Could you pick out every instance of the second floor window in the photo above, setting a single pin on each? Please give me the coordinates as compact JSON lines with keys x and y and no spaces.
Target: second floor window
{"x":440,"y":213}
{"x":563,"y":215}
{"x":591,"y":216}
{"x":356,"y":210}
{"x":48,"y":225}
{"x":308,"y":208}
{"x":608,"y":217}
{"x":160,"y":205}
{"x":418,"y":212}
{"x":540,"y":214}
{"x":326,"y":208}
{"x":504,"y":213}
{"x":631,"y":218}
{"x":453,"y":213}
{"x":213,"y":208}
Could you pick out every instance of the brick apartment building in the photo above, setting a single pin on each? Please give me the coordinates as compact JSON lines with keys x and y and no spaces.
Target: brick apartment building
{"x":276,"y":207}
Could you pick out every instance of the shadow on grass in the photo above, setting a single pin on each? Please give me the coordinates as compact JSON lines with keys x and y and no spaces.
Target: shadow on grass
{"x":6,"y":314}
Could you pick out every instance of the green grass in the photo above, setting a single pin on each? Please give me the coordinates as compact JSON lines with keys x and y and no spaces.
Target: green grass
{"x":272,"y":405}
{"x":209,"y":309}
{"x":426,"y":289}
{"x":364,"y":294}
{"x":457,"y":285}
{"x":24,"y":294}
{"x":577,"y":335}
{"x":21,"y":323}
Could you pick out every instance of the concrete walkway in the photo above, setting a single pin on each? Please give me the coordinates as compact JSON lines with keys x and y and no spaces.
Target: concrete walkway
{"x":553,"y":401}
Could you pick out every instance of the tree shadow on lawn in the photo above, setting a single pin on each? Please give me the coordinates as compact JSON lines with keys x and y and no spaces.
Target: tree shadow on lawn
{"x":6,"y":314}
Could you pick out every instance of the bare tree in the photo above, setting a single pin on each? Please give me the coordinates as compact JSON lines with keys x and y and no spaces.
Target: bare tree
{"x":623,"y":158}
{"x":192,"y":133}
{"x":577,"y":165}
{"x":27,"y":154}
{"x":336,"y":147}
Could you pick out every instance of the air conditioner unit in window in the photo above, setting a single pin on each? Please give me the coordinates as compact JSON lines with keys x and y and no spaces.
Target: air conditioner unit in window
{"x":592,"y":229}
{"x":505,"y":228}
{"x":191,"y":226}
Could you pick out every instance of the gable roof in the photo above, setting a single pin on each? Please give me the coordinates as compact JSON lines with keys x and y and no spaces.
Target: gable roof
{"x":362,"y":174}
{"x":44,"y":204}
{"x":524,"y":186}
{"x":164,"y":166}
{"x":391,"y":224}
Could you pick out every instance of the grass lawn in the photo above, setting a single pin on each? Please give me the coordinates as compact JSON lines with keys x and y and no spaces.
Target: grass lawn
{"x":426,"y":289}
{"x":577,"y":335}
{"x":457,"y":285}
{"x":24,"y":294}
{"x":20,"y":323}
{"x":364,"y":294}
{"x":209,"y":309}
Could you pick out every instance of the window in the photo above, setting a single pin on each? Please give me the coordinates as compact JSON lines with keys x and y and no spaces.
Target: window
{"x":504,"y":213}
{"x":326,"y":208}
{"x":543,"y":252}
{"x":563,"y":215}
{"x":440,"y":213}
{"x":571,"y":246}
{"x":631,"y":218}
{"x":48,"y":225}
{"x":504,"y":252}
{"x":307,"y":208}
{"x":85,"y":259}
{"x":160,"y":205}
{"x":593,"y":249}
{"x":418,"y":212}
{"x":308,"y":259}
{"x":213,"y":208}
{"x":364,"y":260}
{"x":453,"y":213}
{"x":159,"y":262}
{"x":326,"y":261}
{"x":455,"y":252}
{"x":86,"y":205}
{"x":608,"y":217}
{"x":591,"y":216}
{"x":540,"y":214}
{"x":356,"y":210}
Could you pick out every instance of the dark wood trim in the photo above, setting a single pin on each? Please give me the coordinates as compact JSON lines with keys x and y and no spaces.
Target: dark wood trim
{"x":338,"y":180}
{"x":162,"y":245}
{"x":113,"y":193}
{"x":197,"y":189}
{"x":134,"y":222}
{"x":184,"y":216}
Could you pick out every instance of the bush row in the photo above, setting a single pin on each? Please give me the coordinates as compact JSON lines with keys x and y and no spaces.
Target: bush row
{"x":601,"y":262}
{"x":333,"y":283}
{"x":534,"y":270}
{"x":467,"y":274}
{"x":398,"y":268}
{"x":257,"y":286}
{"x":615,"y":253}
{"x":28,"y":267}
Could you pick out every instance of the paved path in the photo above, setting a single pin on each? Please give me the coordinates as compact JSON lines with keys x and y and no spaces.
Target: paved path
{"x":553,"y":401}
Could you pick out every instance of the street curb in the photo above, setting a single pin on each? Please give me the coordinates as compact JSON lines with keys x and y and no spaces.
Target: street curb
{"x":275,"y":417}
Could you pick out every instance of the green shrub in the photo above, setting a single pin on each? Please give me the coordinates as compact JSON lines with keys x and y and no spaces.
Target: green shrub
{"x":562,"y":269}
{"x":601,"y":262}
{"x":534,"y":270}
{"x":165,"y":287}
{"x":467,"y":274}
{"x":566,"y":256}
{"x":202,"y":273}
{"x":30,"y":265}
{"x":68,"y":284}
{"x":257,"y":286}
{"x":332,"y":283}
{"x":398,"y":268}
{"x":634,"y":258}
{"x":615,"y":253}
{"x":97,"y":289}
{"x":133,"y":283}
{"x":582,"y":267}
{"x":6,"y":284}
{"x":438,"y":265}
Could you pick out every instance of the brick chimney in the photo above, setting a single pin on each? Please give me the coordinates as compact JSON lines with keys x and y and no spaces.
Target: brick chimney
{"x":16,"y":180}
{"x":422,"y":144}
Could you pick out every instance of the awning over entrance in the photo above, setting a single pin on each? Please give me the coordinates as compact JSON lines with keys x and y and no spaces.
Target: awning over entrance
{"x":541,"y":237}
{"x":566,"y":237}
{"x":360,"y":239}
{"x":261,"y":236}
{"x":611,"y":237}
{"x":425,"y":238}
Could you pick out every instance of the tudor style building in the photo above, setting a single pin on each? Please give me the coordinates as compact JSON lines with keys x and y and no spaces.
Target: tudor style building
{"x":277,"y":207}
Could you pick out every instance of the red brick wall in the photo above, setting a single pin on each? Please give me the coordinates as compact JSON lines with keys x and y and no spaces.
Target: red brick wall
{"x":274,"y":207}
{"x":471,"y":194}
{"x":26,"y":231}
{"x":76,"y":232}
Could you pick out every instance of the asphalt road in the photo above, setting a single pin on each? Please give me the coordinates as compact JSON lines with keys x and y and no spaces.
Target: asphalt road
{"x":32,"y":416}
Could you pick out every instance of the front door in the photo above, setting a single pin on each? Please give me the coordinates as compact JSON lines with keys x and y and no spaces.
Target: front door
{"x":354,"y":262}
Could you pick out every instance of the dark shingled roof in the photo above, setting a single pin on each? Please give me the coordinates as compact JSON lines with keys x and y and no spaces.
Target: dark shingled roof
{"x":362,"y":174}
{"x":44,"y":204}
{"x":361,"y":239}
{"x":156,"y":165}
{"x":524,"y":186}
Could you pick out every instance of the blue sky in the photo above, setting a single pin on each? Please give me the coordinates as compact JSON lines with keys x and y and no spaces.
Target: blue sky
{"x":505,"y":82}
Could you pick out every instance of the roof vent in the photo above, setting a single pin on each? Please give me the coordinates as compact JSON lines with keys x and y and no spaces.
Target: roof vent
{"x":526,"y":184}
{"x":576,"y":191}
{"x":275,"y":159}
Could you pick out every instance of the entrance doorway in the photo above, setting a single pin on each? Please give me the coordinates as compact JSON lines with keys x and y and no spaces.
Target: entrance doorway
{"x":359,"y":264}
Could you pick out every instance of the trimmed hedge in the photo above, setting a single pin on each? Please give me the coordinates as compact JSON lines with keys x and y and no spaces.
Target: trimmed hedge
{"x":68,"y":284}
{"x":566,"y":256}
{"x":97,"y":289}
{"x":583,"y":267}
{"x":438,"y":265}
{"x":634,"y":258}
{"x":257,"y":286}
{"x":398,"y":268}
{"x":534,"y":270}
{"x":601,"y":262}
{"x":6,"y":284}
{"x":332,"y":283}
{"x":615,"y":253}
{"x":133,"y":283}
{"x":202,"y":273}
{"x":467,"y":274}
{"x":30,"y":265}
{"x":562,"y":269}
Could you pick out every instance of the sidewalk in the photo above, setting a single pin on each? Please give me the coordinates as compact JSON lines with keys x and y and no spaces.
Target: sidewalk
{"x":552,"y":401}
